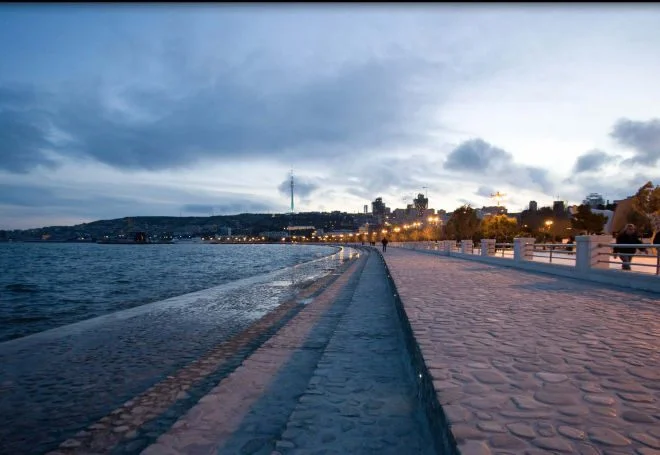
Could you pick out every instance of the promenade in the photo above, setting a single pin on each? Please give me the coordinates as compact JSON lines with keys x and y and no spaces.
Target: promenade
{"x":334,"y":379}
{"x":412,"y":353}
{"x":531,"y":363}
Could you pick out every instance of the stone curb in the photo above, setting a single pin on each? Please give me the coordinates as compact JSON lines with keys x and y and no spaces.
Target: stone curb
{"x":443,"y":438}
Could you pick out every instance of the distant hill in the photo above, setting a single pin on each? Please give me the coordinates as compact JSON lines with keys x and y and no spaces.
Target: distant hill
{"x":244,"y":224}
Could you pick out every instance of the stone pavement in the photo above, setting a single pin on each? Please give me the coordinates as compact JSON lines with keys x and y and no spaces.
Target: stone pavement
{"x":335,"y":379}
{"x":361,"y":398}
{"x":131,"y":427}
{"x":525,"y":363}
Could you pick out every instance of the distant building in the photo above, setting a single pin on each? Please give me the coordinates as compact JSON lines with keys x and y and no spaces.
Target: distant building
{"x":379,"y":210}
{"x":421,"y":204}
{"x":593,"y":200}
{"x":483,"y":212}
{"x":274,"y":235}
{"x":559,"y":208}
{"x":533,"y":206}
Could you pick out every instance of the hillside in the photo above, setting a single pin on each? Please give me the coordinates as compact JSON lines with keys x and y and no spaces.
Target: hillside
{"x":245,"y":224}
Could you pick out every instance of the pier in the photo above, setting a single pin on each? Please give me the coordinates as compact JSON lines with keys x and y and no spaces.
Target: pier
{"x":411,"y":352}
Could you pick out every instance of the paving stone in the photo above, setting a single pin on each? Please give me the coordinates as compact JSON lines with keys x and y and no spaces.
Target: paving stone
{"x":608,"y":437}
{"x":570,"y":432}
{"x":555,"y":444}
{"x":474,"y":448}
{"x":556,"y":346}
{"x":506,"y":441}
{"x":491,"y":427}
{"x":645,"y":439}
{"x":464,"y":432}
{"x":527,"y":403}
{"x":522,"y":429}
{"x":554,"y":398}
{"x":647,"y":451}
{"x":489,"y":377}
{"x":603,"y":400}
{"x":637,"y":417}
{"x":552,"y":377}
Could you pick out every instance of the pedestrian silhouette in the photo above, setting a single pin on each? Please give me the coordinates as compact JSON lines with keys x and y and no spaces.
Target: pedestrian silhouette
{"x":384,"y":242}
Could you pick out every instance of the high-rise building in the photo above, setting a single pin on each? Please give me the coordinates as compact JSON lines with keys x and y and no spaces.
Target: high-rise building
{"x":559,"y":208}
{"x":421,"y":204}
{"x":593,"y":200}
{"x":533,"y":206}
{"x":379,"y":210}
{"x":366,"y":209}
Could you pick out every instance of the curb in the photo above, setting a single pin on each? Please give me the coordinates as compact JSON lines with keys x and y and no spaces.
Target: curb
{"x":443,"y":439}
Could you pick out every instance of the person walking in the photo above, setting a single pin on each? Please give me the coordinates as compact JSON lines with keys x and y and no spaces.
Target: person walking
{"x":384,"y":242}
{"x":628,"y":236}
{"x":655,"y":241}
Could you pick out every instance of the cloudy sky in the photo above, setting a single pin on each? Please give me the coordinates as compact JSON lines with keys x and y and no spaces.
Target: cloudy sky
{"x":109,"y":111}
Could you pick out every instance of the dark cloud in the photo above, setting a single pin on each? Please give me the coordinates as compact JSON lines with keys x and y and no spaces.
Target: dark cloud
{"x":239,"y":205}
{"x":361,"y":105}
{"x":301,"y":189}
{"x":538,"y":176}
{"x":75,"y":201}
{"x":592,"y":161}
{"x":197,"y":208}
{"x":485,"y":191}
{"x":477,"y":155}
{"x":23,"y":130}
{"x":642,"y":137}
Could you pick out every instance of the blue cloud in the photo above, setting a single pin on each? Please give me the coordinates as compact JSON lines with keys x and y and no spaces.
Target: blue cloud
{"x":363,"y":105}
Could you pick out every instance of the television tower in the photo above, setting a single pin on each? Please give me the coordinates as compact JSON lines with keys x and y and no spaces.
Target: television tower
{"x":498,"y":197}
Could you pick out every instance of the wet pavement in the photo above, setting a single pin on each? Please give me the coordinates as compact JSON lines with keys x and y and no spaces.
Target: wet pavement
{"x":54,"y":384}
{"x":335,"y":379}
{"x":525,"y":363}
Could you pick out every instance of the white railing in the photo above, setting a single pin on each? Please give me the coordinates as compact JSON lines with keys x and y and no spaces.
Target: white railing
{"x":597,"y":255}
{"x":504,"y":250}
{"x":648,"y":261}
{"x":554,"y":253}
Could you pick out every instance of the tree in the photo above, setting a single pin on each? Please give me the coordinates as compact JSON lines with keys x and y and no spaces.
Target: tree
{"x":647,"y":201}
{"x":463,"y":223}
{"x":431,"y":232}
{"x":499,"y":227}
{"x":585,"y":220}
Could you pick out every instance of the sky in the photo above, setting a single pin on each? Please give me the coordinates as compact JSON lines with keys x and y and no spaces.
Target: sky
{"x":114,"y":110}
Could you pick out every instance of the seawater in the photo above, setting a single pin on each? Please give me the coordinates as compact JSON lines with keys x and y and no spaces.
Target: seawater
{"x":43,"y":286}
{"x":87,"y":327}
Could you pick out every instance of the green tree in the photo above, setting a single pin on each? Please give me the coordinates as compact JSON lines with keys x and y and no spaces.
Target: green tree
{"x":641,"y":221}
{"x":463,"y":223}
{"x":499,"y":227}
{"x":587,"y":221}
{"x":647,"y":201}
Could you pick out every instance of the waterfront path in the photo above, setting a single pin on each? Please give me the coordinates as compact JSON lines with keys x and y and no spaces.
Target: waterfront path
{"x":334,"y":378}
{"x":527,"y":363}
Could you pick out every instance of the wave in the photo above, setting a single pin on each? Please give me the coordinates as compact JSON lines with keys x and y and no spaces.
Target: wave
{"x":23,"y":319}
{"x":277,"y":278}
{"x":20,"y":287}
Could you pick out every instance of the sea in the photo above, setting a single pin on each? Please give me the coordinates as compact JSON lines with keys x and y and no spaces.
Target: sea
{"x":85,"y":327}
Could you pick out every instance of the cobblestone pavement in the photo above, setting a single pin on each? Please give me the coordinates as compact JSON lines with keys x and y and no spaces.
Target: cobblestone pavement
{"x":333,"y":380}
{"x":212,"y":422}
{"x":526,"y":363}
{"x":362,"y":396}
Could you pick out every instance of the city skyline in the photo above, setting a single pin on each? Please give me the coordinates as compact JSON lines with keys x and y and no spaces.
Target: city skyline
{"x":108,"y":111}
